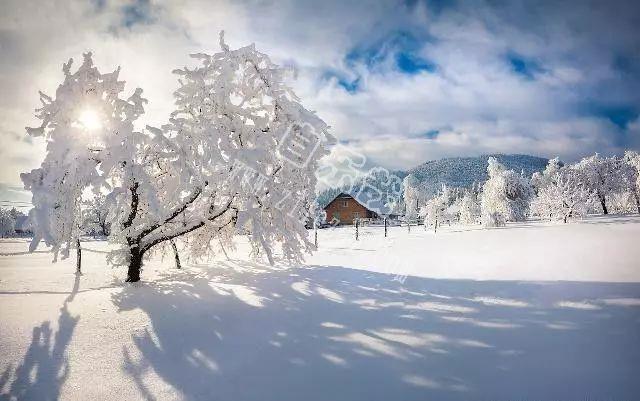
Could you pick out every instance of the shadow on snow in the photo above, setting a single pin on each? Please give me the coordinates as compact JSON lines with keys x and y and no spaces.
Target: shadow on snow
{"x":243,"y":332}
{"x":44,"y":368}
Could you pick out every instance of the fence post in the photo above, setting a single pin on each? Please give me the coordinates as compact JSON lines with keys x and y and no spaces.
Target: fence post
{"x":409,"y":226}
{"x":356,"y":229}
{"x":385,"y":227}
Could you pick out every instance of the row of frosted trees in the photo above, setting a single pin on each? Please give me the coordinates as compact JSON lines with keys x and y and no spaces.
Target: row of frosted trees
{"x":594,"y":185}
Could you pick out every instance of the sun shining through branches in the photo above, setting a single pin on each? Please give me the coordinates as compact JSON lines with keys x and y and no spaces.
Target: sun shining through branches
{"x":90,"y":120}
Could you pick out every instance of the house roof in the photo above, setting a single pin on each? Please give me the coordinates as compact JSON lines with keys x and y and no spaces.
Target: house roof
{"x":374,"y":205}
{"x":341,"y":195}
{"x":344,"y":195}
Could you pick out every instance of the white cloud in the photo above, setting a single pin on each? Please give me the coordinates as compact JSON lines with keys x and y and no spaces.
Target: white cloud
{"x":474,"y":99}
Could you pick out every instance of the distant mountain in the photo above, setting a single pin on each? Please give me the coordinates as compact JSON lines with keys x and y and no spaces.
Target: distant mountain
{"x":465,"y":171}
{"x":456,"y":172}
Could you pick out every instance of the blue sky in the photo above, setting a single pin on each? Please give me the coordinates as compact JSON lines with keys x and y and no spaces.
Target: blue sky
{"x":402,"y":82}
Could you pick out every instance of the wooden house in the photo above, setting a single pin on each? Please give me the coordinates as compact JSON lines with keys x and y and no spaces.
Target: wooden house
{"x":345,"y":209}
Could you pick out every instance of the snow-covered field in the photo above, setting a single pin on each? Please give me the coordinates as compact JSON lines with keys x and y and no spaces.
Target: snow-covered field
{"x":594,"y":249}
{"x":532,"y":311}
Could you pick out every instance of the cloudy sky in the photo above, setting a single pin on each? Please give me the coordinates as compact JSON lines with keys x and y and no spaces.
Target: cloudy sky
{"x":402,"y":82}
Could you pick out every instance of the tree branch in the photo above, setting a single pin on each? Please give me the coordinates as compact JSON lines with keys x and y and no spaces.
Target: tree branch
{"x":194,"y":227}
{"x":172,"y":216}
{"x":134,"y":205}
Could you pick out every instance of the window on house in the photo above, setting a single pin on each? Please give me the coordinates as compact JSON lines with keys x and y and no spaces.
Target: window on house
{"x":356,"y":215}
{"x":345,"y":204}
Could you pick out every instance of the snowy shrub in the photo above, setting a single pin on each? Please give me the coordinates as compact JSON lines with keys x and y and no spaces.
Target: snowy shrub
{"x":493,"y":219}
{"x":231,"y":158}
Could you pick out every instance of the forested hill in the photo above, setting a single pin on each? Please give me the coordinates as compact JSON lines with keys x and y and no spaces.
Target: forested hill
{"x":464,"y":171}
{"x":457,"y":172}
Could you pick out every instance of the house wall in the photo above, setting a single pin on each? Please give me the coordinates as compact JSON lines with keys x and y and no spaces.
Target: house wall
{"x":346,"y":214}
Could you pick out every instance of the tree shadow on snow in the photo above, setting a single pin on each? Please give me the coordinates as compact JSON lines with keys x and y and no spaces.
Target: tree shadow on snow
{"x":242,"y":332}
{"x":44,"y":367}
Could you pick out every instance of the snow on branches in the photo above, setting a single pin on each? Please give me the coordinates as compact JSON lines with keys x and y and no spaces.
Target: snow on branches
{"x":90,"y":137}
{"x":606,"y":176}
{"x":469,"y":208}
{"x":412,"y":197}
{"x":436,"y":209}
{"x":632,"y":159}
{"x":238,"y":154}
{"x":562,"y":196}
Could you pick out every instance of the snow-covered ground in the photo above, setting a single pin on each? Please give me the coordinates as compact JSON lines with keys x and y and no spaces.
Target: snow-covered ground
{"x":595,"y":249}
{"x":481,"y":316}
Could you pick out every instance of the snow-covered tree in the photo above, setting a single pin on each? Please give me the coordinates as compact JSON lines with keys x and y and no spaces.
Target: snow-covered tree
{"x":562,"y":197}
{"x":395,"y":207}
{"x":505,"y":195}
{"x":494,"y":204}
{"x":96,"y":220}
{"x":469,"y":208}
{"x":239,"y":153}
{"x":622,"y":203}
{"x":250,"y":168}
{"x":90,"y":144}
{"x":7,"y":223}
{"x":540,"y":179}
{"x":437,"y":209}
{"x":318,"y":214}
{"x":411,"y":195}
{"x":434,"y":212}
{"x":632,"y":158}
{"x":604,"y":176}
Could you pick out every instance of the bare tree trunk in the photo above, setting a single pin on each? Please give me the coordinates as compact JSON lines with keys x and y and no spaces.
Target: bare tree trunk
{"x":603,"y":203}
{"x":78,"y":257}
{"x":175,"y":253}
{"x":135,"y":251}
{"x":135,"y":264}
{"x":223,"y":250}
{"x":435,"y":227}
{"x":635,"y":193}
{"x":105,"y":228}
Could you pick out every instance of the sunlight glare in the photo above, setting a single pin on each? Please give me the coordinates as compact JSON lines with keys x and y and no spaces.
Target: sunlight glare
{"x":90,"y":120}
